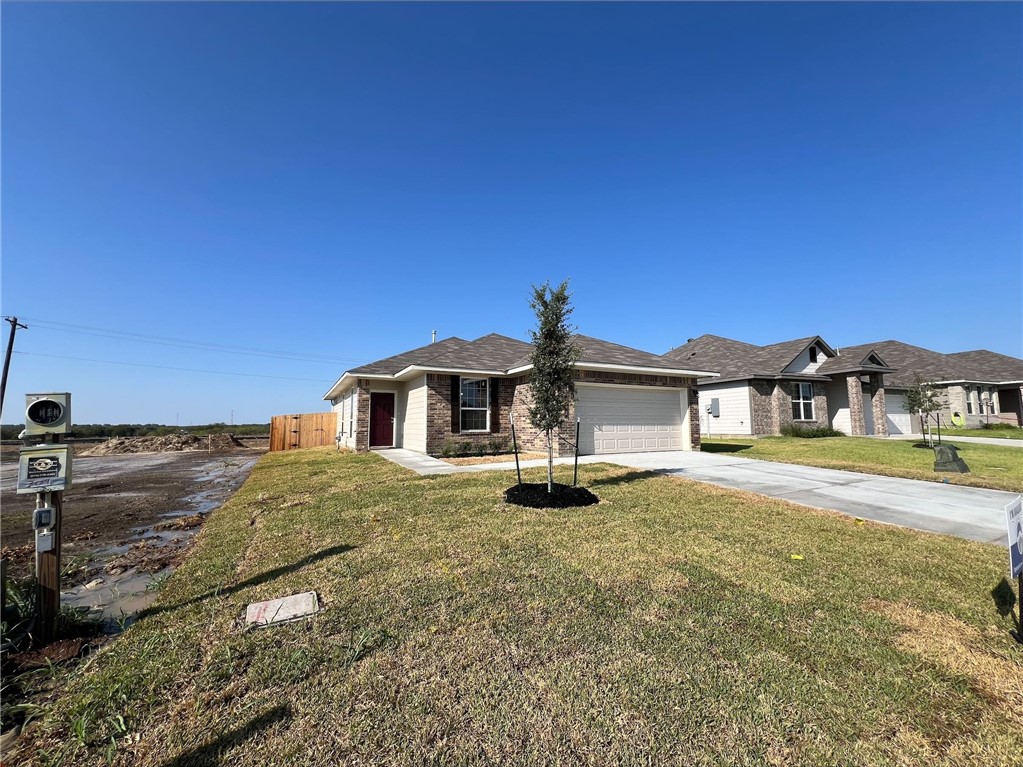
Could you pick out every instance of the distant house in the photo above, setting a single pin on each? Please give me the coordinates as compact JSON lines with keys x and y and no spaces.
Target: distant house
{"x":859,"y":390}
{"x":456,"y":391}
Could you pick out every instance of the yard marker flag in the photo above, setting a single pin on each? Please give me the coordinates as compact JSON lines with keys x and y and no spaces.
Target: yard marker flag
{"x":1014,"y":521}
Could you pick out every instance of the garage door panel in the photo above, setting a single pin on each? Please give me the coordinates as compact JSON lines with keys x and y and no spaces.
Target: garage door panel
{"x":900,"y":421}
{"x":627,"y":420}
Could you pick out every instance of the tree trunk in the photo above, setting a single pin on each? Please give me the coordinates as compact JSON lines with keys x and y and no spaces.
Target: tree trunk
{"x":550,"y":464}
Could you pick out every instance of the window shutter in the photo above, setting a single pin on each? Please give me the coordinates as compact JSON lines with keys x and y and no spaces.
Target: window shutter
{"x":495,"y":407}
{"x":456,"y":405}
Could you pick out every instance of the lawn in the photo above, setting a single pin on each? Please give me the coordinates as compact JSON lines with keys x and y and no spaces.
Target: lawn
{"x":991,"y":466}
{"x":996,"y":433}
{"x":673,"y":623}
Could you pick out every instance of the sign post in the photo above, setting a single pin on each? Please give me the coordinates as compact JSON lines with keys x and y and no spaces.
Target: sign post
{"x":44,"y":468}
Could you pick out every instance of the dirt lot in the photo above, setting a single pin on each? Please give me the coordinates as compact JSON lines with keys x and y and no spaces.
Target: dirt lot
{"x":142,"y":508}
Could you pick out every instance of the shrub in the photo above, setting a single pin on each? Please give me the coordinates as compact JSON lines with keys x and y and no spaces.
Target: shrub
{"x":448,"y":448}
{"x":809,"y":432}
{"x":999,"y":425}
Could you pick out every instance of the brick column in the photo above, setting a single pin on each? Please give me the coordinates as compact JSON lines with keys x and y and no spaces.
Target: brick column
{"x":857,"y":424}
{"x":362,"y":416}
{"x":879,"y":405}
{"x":781,"y":406}
{"x":694,"y":417}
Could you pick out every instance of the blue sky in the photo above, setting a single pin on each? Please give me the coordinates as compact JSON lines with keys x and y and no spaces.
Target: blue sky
{"x":335,"y":181}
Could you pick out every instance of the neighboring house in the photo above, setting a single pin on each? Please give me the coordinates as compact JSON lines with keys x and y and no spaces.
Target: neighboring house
{"x":981,"y":386}
{"x":762,"y":388}
{"x":860,"y":390}
{"x":466,"y":391}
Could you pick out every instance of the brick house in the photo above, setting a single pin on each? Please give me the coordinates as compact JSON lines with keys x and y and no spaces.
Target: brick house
{"x":860,"y":390}
{"x":455,"y":390}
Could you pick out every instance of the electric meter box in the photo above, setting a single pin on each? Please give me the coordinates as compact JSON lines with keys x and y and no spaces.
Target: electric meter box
{"x":44,"y":469}
{"x":47,"y":414}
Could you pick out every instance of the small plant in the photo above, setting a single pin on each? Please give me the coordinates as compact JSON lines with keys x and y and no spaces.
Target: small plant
{"x":809,"y":432}
{"x":449,"y":448}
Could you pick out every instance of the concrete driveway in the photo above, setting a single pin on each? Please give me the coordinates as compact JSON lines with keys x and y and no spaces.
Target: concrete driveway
{"x":967,"y":512}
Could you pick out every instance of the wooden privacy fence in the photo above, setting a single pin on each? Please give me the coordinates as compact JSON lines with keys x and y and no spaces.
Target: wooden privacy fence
{"x":288,"y":432}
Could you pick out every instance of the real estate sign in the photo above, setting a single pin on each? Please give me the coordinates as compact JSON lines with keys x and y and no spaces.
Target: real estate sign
{"x":1014,"y":520}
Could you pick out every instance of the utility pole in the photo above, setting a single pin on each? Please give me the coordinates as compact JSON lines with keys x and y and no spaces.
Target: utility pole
{"x":7,"y":357}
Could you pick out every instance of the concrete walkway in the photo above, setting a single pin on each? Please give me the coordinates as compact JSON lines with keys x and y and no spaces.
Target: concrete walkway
{"x":967,"y":512}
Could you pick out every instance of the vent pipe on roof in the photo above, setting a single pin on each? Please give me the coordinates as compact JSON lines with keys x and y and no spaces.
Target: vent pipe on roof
{"x":434,"y":337}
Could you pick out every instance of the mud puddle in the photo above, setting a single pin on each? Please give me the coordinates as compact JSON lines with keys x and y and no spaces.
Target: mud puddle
{"x":128,"y":522}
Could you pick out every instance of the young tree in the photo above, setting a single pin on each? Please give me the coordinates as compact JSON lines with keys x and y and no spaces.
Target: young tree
{"x":922,"y":399}
{"x":554,"y":354}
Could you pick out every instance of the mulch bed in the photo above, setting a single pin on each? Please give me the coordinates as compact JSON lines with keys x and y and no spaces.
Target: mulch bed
{"x":535,"y":496}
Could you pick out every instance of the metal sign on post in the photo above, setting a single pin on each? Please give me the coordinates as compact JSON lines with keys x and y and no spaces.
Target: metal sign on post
{"x":1014,"y":523}
{"x":44,"y":468}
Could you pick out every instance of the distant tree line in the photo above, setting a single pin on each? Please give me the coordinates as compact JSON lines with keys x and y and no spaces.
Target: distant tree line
{"x":11,"y":431}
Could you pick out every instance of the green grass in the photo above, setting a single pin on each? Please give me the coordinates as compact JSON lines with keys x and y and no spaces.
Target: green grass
{"x":669,"y":624}
{"x":996,"y":433}
{"x":992,"y":466}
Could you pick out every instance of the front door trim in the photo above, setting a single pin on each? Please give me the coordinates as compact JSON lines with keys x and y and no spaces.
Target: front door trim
{"x":376,"y":398}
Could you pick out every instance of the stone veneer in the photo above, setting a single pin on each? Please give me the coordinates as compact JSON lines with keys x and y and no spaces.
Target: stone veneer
{"x":854,"y":389}
{"x":771,"y":405}
{"x":879,"y":405}
{"x":362,"y":415}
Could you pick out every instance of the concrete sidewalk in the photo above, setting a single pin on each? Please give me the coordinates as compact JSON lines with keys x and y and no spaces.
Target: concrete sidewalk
{"x":967,"y":512}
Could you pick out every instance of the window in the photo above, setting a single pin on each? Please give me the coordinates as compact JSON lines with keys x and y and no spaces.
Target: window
{"x":969,"y":400}
{"x":813,"y":354}
{"x":475,"y":399}
{"x":802,"y":402}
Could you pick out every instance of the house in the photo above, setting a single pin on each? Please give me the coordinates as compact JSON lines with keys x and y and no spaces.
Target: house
{"x":980,"y":386}
{"x":455,"y":390}
{"x":805,"y":381}
{"x":860,"y":390}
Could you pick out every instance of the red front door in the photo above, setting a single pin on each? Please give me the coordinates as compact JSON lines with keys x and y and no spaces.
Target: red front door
{"x":381,"y":420}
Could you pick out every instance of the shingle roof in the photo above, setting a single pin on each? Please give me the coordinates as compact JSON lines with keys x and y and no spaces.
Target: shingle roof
{"x":984,"y":365}
{"x":497,"y":353}
{"x":596,"y":352}
{"x":736,"y":359}
{"x":391,"y":365}
{"x":492,"y":352}
{"x":980,"y":365}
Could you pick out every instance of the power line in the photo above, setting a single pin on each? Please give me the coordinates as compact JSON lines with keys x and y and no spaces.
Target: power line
{"x":64,"y":327}
{"x":166,"y":367}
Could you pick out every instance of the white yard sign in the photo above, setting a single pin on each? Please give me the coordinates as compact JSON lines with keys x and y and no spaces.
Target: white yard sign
{"x":1014,"y":520}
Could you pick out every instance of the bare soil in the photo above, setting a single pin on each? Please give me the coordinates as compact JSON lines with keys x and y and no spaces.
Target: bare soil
{"x":473,"y":460}
{"x":121,"y":500}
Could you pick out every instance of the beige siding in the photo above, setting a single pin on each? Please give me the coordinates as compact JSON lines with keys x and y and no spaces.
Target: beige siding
{"x":414,"y":427}
{"x":802,"y":364}
{"x":734,"y":401}
{"x":346,"y":416}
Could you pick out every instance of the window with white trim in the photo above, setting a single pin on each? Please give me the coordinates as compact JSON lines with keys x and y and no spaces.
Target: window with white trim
{"x":802,"y":402}
{"x":969,"y":400}
{"x":475,"y":404}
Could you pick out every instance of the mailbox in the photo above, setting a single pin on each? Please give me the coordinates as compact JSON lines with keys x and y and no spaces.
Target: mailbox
{"x":47,"y":414}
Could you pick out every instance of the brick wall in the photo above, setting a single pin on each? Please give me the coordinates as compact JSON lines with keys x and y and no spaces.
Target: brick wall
{"x":438,"y":415}
{"x":362,"y":415}
{"x":516,"y":397}
{"x":762,"y":410}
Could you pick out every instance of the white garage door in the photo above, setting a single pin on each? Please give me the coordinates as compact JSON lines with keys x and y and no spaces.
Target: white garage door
{"x":616,"y":419}
{"x":899,"y":419}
